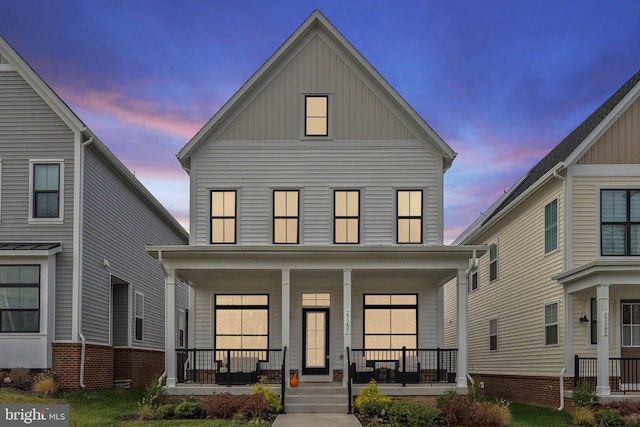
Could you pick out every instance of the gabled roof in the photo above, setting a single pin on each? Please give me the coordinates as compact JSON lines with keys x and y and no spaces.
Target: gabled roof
{"x":11,"y":60}
{"x":315,"y":22}
{"x":578,"y":141}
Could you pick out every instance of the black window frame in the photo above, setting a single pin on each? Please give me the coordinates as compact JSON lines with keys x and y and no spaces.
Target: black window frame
{"x":224,"y":217}
{"x":218,"y":306}
{"x":594,"y":320}
{"x":493,"y":263}
{"x":37,"y":192}
{"x":345,"y":217}
{"x":306,"y":116}
{"x":286,"y":217}
{"x":550,"y":246}
{"x":24,"y":310}
{"x":389,"y":306}
{"x":628,"y":224}
{"x":409,"y":217}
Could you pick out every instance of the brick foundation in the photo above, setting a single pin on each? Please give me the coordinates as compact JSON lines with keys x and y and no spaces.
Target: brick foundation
{"x":539,"y":391}
{"x":104,"y":364}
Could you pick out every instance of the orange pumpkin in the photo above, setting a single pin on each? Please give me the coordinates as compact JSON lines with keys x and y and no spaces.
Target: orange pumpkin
{"x":294,"y":380}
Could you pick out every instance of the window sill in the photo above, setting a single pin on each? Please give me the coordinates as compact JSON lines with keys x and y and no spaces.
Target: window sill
{"x":316,"y":138}
{"x":551,"y":252}
{"x":46,"y":221}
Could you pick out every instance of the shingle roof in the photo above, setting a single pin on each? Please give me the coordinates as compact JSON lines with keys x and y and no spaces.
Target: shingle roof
{"x":561,"y":151}
{"x":28,"y":246}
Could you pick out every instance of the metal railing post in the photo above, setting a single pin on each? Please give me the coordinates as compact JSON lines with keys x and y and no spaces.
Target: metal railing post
{"x":438,"y":365}
{"x":283,"y":381}
{"x":349,"y":380}
{"x":576,"y":370}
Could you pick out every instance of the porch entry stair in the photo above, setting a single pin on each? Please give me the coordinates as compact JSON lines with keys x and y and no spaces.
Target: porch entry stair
{"x":326,"y":398}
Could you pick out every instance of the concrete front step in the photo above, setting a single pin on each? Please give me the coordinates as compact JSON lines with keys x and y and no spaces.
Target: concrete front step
{"x":326,"y":399}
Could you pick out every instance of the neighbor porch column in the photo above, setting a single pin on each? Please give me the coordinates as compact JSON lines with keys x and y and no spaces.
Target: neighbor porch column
{"x":461,"y":378}
{"x":346,"y":316}
{"x":603,"y":389}
{"x":170,"y":327}
{"x":286,"y":316}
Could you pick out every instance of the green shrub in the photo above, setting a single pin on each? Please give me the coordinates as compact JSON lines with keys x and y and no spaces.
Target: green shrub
{"x":189,"y":409}
{"x":412,"y":413}
{"x":444,"y":397}
{"x":371,"y":401}
{"x":274,"y":405}
{"x":608,"y":418}
{"x":166,"y":411}
{"x":584,"y":395}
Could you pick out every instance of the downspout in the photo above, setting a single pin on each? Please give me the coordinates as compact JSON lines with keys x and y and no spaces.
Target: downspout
{"x":473,"y":264}
{"x":562,"y":389}
{"x":80,"y":334}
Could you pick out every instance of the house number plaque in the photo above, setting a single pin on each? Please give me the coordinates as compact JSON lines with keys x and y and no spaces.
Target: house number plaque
{"x":605,"y":323}
{"x":347,"y":321}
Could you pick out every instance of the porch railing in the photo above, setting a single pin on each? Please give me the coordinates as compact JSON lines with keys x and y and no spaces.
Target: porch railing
{"x":229,"y":367}
{"x":403,"y":365}
{"x":624,"y":373}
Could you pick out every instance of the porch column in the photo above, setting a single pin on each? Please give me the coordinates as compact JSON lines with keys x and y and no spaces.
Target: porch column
{"x":286,"y":315}
{"x":170,"y":327}
{"x":461,"y":379}
{"x":603,"y":389}
{"x":346,"y":302}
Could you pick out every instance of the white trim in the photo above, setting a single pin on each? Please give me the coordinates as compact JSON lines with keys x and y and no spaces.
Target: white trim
{"x":557,"y":323}
{"x":61,"y":205}
{"x":0,"y":191}
{"x":139,"y":294}
{"x":78,"y":190}
{"x":544,"y":213}
{"x":622,"y":171}
{"x":496,"y":335}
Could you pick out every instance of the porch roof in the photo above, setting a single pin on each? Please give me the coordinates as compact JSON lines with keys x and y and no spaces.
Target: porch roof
{"x":601,"y":272}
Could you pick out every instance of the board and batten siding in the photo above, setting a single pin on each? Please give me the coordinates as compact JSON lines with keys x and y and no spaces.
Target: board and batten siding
{"x":519,"y":294}
{"x":30,"y":129}
{"x":620,"y":144}
{"x":316,"y":168}
{"x":586,"y":215}
{"x":117,"y":224}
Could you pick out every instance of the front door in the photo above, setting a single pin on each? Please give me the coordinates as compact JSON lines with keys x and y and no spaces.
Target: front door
{"x":315,"y":341}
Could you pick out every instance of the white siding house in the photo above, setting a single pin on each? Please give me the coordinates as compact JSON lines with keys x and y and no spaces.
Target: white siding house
{"x":316,"y":218}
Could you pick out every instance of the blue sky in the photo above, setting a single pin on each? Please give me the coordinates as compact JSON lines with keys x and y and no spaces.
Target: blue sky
{"x":501,"y":81}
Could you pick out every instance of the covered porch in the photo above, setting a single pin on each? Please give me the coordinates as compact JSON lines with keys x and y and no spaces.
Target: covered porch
{"x":325,"y":314}
{"x":603,"y":325}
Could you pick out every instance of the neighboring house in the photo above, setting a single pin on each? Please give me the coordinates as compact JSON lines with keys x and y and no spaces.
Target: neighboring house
{"x":558,"y":293}
{"x":316,"y":227}
{"x":78,"y":292}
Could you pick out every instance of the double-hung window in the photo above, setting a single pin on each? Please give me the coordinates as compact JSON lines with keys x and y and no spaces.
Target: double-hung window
{"x":285,"y":216}
{"x":346,"y":216}
{"x":551,"y":324}
{"x":139,"y":314}
{"x":223,"y":216}
{"x":19,"y":298}
{"x":409,"y":218}
{"x":620,"y":222}
{"x":551,"y":226}
{"x":316,"y":115}
{"x":390,"y":321}
{"x":493,"y":262}
{"x":473,"y":279}
{"x":242,"y":322}
{"x":631,"y":324}
{"x":493,"y":334}
{"x":46,"y":189}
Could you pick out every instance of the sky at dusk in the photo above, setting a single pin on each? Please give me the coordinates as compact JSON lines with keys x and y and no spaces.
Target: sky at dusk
{"x":502,"y":82}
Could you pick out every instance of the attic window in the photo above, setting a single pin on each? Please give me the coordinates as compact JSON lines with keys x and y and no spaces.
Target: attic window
{"x":316,"y":114}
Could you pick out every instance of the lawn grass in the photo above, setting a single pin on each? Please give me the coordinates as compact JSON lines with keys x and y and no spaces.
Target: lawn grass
{"x":534,"y":416}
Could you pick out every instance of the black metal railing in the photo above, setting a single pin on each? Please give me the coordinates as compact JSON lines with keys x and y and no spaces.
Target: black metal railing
{"x":624,"y":373}
{"x":403,"y":365}
{"x":283,"y":379}
{"x":229,"y":366}
{"x":349,"y":381}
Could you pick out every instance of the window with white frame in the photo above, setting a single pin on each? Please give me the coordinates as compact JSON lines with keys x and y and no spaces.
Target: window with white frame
{"x":223,"y":216}
{"x":551,"y":324}
{"x":316,"y":115}
{"x":19,"y":298}
{"x":551,"y":226}
{"x":493,"y":261}
{"x":242,"y":322}
{"x":473,"y":278}
{"x":45,"y":181}
{"x":409,"y":216}
{"x":346,"y":216}
{"x":493,"y":334}
{"x":138,"y":303}
{"x":620,"y":222}
{"x":285,"y":216}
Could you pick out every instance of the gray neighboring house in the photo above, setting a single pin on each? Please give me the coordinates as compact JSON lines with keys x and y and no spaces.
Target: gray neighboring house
{"x":78,"y":293}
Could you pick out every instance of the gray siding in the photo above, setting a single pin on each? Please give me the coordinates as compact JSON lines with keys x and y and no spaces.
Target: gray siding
{"x":117,"y":226}
{"x":30,"y":129}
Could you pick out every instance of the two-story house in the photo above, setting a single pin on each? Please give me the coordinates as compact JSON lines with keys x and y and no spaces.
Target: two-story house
{"x":557,"y":296}
{"x":78,"y":292}
{"x":316,"y":230}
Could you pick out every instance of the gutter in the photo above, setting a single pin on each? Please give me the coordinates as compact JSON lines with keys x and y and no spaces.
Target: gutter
{"x":562,"y":388}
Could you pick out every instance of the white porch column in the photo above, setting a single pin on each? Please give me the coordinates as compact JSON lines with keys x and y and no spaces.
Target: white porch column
{"x":461,"y":379}
{"x":286,"y":317}
{"x":170,"y":327}
{"x":346,"y":316}
{"x":603,"y":389}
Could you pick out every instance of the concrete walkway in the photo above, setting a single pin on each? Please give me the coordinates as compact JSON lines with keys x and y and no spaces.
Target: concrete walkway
{"x":316,"y":420}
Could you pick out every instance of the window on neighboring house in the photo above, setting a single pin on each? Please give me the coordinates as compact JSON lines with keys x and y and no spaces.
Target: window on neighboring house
{"x":46,"y":190}
{"x":493,"y":334}
{"x":620,"y":222}
{"x":409,"y":220}
{"x":285,"y":216}
{"x":551,"y":226}
{"x":316,"y":114}
{"x":223,"y":216}
{"x":346,"y":216}
{"x":182,"y":321}
{"x":473,"y":278}
{"x":19,"y":298}
{"x":139,"y":314}
{"x":390,"y":321}
{"x":631,"y":324}
{"x":242,"y":322}
{"x":493,"y":261}
{"x":551,"y":324}
{"x":594,"y":321}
